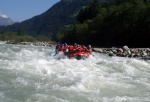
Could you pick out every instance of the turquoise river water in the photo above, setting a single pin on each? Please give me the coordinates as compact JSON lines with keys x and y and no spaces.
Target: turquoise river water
{"x":30,"y":74}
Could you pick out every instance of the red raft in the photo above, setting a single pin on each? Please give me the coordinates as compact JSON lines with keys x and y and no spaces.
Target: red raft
{"x":81,"y":52}
{"x":77,"y":55}
{"x":74,"y":51}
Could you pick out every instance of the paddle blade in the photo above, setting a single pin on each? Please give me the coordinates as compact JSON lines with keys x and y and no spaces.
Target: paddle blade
{"x":53,"y":54}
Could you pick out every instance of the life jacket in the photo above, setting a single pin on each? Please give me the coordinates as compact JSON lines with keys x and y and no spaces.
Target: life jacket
{"x":66,"y":48}
{"x":85,"y":49}
{"x":74,"y":47}
{"x":80,"y":49}
{"x":90,"y":51}
{"x":63,"y":48}
{"x":70,"y":48}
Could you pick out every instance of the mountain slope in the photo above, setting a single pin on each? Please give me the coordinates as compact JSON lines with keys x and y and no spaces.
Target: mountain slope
{"x":50,"y":22}
{"x":4,"y":20}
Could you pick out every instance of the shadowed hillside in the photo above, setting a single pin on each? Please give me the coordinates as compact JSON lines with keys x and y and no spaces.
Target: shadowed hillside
{"x":57,"y":18}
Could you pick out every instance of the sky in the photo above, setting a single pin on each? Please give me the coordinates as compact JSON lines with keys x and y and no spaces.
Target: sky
{"x":20,"y":10}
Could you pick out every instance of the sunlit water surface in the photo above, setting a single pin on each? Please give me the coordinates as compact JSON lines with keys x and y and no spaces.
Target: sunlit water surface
{"x":30,"y":74}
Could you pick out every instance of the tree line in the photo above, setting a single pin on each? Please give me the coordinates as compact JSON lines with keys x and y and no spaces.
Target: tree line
{"x":21,"y":36}
{"x":123,"y":22}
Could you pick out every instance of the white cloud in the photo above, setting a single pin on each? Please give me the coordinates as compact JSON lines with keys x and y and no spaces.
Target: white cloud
{"x":3,"y":15}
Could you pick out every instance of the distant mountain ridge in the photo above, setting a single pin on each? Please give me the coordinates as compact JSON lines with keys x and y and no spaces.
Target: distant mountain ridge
{"x":53,"y":20}
{"x":4,"y":20}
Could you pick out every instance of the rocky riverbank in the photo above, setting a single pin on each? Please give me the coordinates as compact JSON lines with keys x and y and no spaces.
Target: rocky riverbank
{"x":125,"y":51}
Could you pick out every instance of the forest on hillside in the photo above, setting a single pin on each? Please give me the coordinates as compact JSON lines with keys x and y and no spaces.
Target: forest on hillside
{"x":56,"y":19}
{"x":124,"y":22}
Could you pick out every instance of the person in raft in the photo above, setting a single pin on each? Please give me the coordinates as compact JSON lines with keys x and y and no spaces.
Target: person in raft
{"x":57,"y":49}
{"x":66,"y":49}
{"x":69,"y":49}
{"x":90,"y":49}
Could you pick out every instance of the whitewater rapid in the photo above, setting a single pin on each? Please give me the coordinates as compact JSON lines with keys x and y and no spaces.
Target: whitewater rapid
{"x":30,"y":74}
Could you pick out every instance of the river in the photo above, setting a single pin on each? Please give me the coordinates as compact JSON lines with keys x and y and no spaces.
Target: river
{"x":30,"y":74}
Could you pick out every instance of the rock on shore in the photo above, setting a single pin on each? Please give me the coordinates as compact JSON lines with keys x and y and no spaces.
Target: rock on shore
{"x":125,"y":51}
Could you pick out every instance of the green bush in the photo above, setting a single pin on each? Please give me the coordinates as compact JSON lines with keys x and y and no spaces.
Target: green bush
{"x":43,"y":38}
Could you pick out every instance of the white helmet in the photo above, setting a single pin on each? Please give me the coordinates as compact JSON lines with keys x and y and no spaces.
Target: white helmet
{"x":89,"y":46}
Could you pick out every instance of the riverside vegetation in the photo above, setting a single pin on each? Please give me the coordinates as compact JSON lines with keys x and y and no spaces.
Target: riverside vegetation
{"x":124,"y":22}
{"x":25,"y":39}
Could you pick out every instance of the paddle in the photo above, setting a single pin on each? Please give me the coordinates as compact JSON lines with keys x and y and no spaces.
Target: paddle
{"x":53,"y":54}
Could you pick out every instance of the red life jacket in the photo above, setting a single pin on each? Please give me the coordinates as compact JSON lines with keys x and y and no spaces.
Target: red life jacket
{"x":70,"y":48}
{"x":90,"y":51}
{"x":62,"y":48}
{"x":66,"y":47}
{"x":74,"y":47}
{"x":80,"y":49}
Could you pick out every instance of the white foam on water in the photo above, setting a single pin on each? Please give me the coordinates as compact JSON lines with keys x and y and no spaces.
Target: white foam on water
{"x":3,"y":42}
{"x":33,"y":75}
